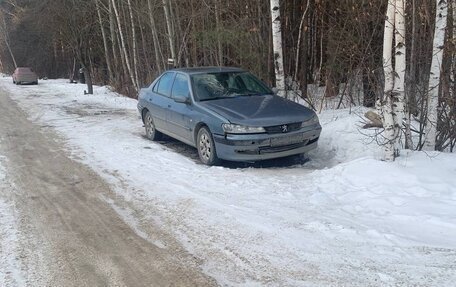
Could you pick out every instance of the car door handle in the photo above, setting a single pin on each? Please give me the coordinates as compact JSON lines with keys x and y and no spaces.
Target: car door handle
{"x":169,"y":106}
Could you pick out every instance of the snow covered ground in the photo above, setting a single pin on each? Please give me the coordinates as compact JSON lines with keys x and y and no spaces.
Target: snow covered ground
{"x":342,"y":218}
{"x":10,"y":263}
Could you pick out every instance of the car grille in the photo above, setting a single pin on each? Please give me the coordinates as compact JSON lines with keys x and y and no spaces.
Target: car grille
{"x":285,"y":128}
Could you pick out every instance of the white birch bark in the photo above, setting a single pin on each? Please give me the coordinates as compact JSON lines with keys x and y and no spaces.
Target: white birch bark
{"x":298,"y":45}
{"x":134,"y":47}
{"x":399,"y":68}
{"x":124,"y":48}
{"x":105,"y":42}
{"x":113,"y":36}
{"x":169,"y":27}
{"x":4,"y":31}
{"x":219,"y":43}
{"x":157,"y":48}
{"x":277,"y":47}
{"x":387,"y":108}
{"x":434,"y":78}
{"x":411,"y":89}
{"x":453,"y":65}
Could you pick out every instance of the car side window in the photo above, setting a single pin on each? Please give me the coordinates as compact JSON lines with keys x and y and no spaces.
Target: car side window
{"x":180,"y":86}
{"x":155,"y":87}
{"x":163,"y":86}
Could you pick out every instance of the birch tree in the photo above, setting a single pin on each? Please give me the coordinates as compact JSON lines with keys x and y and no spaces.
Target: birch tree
{"x":5,"y":36}
{"x":169,"y":27}
{"x":113,"y":36}
{"x":434,"y":78}
{"x":387,"y":107}
{"x":157,"y":47}
{"x":217,"y":24}
{"x":277,"y":47}
{"x":124,"y":47}
{"x":105,"y":41}
{"x":393,"y":108}
{"x":134,"y":41}
{"x":399,"y":68}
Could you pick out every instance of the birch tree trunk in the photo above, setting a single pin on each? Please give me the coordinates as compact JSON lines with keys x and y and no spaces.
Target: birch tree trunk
{"x":9,"y":50}
{"x":277,"y":47}
{"x":217,"y":23}
{"x":157,"y":47}
{"x":411,"y":86}
{"x":124,"y":48}
{"x":387,"y":107}
{"x":170,"y":31}
{"x":4,"y":31}
{"x":298,"y":45}
{"x":135,"y":50}
{"x":112,"y":31}
{"x":105,"y":42}
{"x":453,"y":66}
{"x":88,"y":79}
{"x":434,"y":78}
{"x":399,"y":68}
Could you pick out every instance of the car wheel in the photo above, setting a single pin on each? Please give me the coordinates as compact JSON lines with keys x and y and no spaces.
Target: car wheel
{"x":151,"y":132}
{"x":35,"y":83}
{"x":206,"y":147}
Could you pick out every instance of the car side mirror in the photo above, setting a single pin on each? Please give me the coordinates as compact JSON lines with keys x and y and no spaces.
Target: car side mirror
{"x":275,"y":90}
{"x":181,"y":99}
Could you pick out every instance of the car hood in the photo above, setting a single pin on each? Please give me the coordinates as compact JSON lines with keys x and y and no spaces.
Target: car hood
{"x":265,"y":110}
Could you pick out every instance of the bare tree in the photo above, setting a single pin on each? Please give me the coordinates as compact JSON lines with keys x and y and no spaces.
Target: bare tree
{"x":387,"y":105}
{"x":5,"y":36}
{"x":277,"y":47}
{"x":105,"y":41}
{"x":434,"y":79}
{"x":124,"y":47}
{"x":157,"y":47}
{"x":399,"y":68}
{"x":169,"y":26}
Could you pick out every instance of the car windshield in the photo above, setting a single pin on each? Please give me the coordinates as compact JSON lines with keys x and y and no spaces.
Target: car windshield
{"x":25,"y":70}
{"x":219,"y":85}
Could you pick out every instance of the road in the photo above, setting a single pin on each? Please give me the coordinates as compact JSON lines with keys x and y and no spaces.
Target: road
{"x":70,"y":235}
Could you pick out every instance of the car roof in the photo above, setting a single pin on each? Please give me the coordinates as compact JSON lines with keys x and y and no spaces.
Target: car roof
{"x":204,"y":70}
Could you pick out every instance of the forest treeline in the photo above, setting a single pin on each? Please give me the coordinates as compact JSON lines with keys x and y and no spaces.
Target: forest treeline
{"x":127,"y":43}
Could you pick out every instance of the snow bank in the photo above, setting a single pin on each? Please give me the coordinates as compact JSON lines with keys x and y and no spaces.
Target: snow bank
{"x":343,"y":218}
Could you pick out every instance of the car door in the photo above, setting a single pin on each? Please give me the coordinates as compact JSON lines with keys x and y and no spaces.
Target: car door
{"x":180,"y":114}
{"x":160,"y":100}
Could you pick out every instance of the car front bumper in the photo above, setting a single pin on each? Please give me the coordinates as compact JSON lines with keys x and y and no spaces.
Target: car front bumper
{"x":255,"y":147}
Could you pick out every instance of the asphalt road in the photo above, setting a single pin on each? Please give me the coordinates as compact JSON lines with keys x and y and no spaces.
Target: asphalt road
{"x":70,"y":236}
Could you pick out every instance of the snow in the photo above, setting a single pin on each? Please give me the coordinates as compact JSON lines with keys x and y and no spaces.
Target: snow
{"x":10,"y":264}
{"x":342,"y":218}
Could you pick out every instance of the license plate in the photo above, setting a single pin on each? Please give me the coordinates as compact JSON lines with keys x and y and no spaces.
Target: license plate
{"x":287,"y":140}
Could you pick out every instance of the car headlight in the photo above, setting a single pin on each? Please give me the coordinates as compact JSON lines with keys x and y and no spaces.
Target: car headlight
{"x":312,"y":121}
{"x":238,"y":129}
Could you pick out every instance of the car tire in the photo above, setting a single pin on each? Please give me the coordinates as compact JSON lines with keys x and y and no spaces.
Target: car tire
{"x":35,"y":83}
{"x":151,"y":131}
{"x":206,"y":147}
